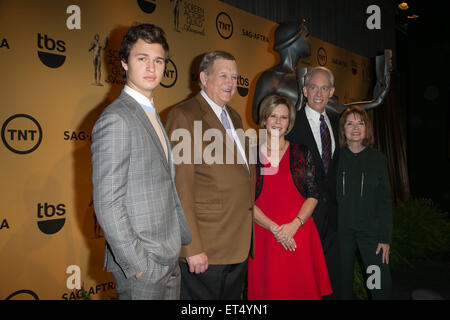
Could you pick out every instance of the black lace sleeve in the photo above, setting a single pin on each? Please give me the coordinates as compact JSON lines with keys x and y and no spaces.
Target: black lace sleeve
{"x":312,"y":189}
{"x":303,"y":171}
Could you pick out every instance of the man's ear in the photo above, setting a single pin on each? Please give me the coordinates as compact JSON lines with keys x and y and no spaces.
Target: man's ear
{"x":305,"y":92}
{"x":203,"y":78}
{"x":331,"y":92}
{"x":124,"y":65}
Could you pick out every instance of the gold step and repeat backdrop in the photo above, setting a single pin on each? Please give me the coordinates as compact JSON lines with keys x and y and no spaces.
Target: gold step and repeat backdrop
{"x":60,"y":68}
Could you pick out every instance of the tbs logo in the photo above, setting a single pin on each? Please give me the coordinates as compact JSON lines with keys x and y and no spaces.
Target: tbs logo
{"x":54,"y":58}
{"x":242,"y":86}
{"x":147,"y":6}
{"x":48,"y":223}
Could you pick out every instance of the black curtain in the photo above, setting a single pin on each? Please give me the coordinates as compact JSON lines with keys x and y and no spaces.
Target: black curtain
{"x":390,"y":136}
{"x":340,"y":22}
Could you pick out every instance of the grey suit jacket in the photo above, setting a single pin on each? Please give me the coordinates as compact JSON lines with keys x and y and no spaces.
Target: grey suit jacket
{"x":135,"y":199}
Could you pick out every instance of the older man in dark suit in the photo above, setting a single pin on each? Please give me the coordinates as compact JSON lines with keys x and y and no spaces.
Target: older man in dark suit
{"x":318,"y":129}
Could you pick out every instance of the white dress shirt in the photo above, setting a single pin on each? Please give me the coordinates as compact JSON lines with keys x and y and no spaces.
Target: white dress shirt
{"x":149,"y":109}
{"x":232,"y":132}
{"x":314,"y":121}
{"x":139,"y":97}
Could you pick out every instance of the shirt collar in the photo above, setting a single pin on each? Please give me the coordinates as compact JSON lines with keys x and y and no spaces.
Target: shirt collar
{"x":216,"y":108}
{"x":145,"y":102}
{"x":313,"y":114}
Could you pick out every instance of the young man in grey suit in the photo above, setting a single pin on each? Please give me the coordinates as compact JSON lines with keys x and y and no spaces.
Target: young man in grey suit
{"x":135,"y":199}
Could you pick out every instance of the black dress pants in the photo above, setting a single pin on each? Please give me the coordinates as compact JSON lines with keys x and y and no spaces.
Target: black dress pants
{"x":367,"y":244}
{"x":218,"y":282}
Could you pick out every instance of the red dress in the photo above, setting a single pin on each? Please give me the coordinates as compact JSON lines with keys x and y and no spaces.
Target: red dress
{"x":276,"y":273}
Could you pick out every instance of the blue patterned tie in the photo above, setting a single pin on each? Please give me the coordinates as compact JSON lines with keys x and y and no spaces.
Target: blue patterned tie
{"x":224,"y":120}
{"x":226,"y":124}
{"x":326,"y":143}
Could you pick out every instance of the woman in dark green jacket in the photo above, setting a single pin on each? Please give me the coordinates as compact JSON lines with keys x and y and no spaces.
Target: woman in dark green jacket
{"x":364,"y":205}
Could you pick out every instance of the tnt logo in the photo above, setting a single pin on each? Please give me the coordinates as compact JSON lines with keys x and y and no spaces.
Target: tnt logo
{"x":170,"y":75}
{"x":21,"y":134}
{"x":54,"y":58}
{"x":50,"y":217}
{"x":224,"y":25}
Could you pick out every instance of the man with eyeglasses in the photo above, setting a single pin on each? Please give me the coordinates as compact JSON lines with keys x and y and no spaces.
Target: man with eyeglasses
{"x":318,"y":130}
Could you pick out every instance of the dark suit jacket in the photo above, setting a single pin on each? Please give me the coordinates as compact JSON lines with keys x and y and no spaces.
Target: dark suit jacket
{"x":325,"y":213}
{"x":217,"y":198}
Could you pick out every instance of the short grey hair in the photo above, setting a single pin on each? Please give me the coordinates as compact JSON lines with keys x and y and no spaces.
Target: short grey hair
{"x":209,"y":58}
{"x":319,"y":69}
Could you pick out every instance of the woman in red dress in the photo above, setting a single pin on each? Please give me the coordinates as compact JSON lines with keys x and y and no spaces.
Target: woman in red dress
{"x":289,"y":263}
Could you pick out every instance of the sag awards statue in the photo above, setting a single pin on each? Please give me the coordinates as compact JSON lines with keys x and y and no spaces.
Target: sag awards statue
{"x":97,"y":60}
{"x":176,"y":14}
{"x":291,"y":41}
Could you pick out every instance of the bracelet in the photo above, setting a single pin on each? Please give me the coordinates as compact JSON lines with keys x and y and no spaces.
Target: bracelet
{"x":301,"y":221}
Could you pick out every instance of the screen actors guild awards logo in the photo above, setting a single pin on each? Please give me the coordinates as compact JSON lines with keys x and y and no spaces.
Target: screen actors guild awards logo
{"x":193,"y":17}
{"x":97,"y":47}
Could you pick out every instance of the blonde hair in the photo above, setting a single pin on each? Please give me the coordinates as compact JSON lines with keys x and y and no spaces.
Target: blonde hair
{"x":269,"y":103}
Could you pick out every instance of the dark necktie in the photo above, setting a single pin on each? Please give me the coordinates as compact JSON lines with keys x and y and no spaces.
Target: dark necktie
{"x":326,"y":143}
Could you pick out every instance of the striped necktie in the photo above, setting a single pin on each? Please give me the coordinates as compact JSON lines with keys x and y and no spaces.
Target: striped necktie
{"x":326,"y":143}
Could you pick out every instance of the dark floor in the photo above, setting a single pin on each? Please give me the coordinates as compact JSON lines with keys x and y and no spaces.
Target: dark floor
{"x":428,"y":280}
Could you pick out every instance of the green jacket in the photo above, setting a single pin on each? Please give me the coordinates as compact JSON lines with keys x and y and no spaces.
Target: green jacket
{"x":363,"y":193}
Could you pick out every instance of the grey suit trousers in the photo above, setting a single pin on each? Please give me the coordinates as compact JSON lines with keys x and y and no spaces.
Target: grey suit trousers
{"x":158,"y":282}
